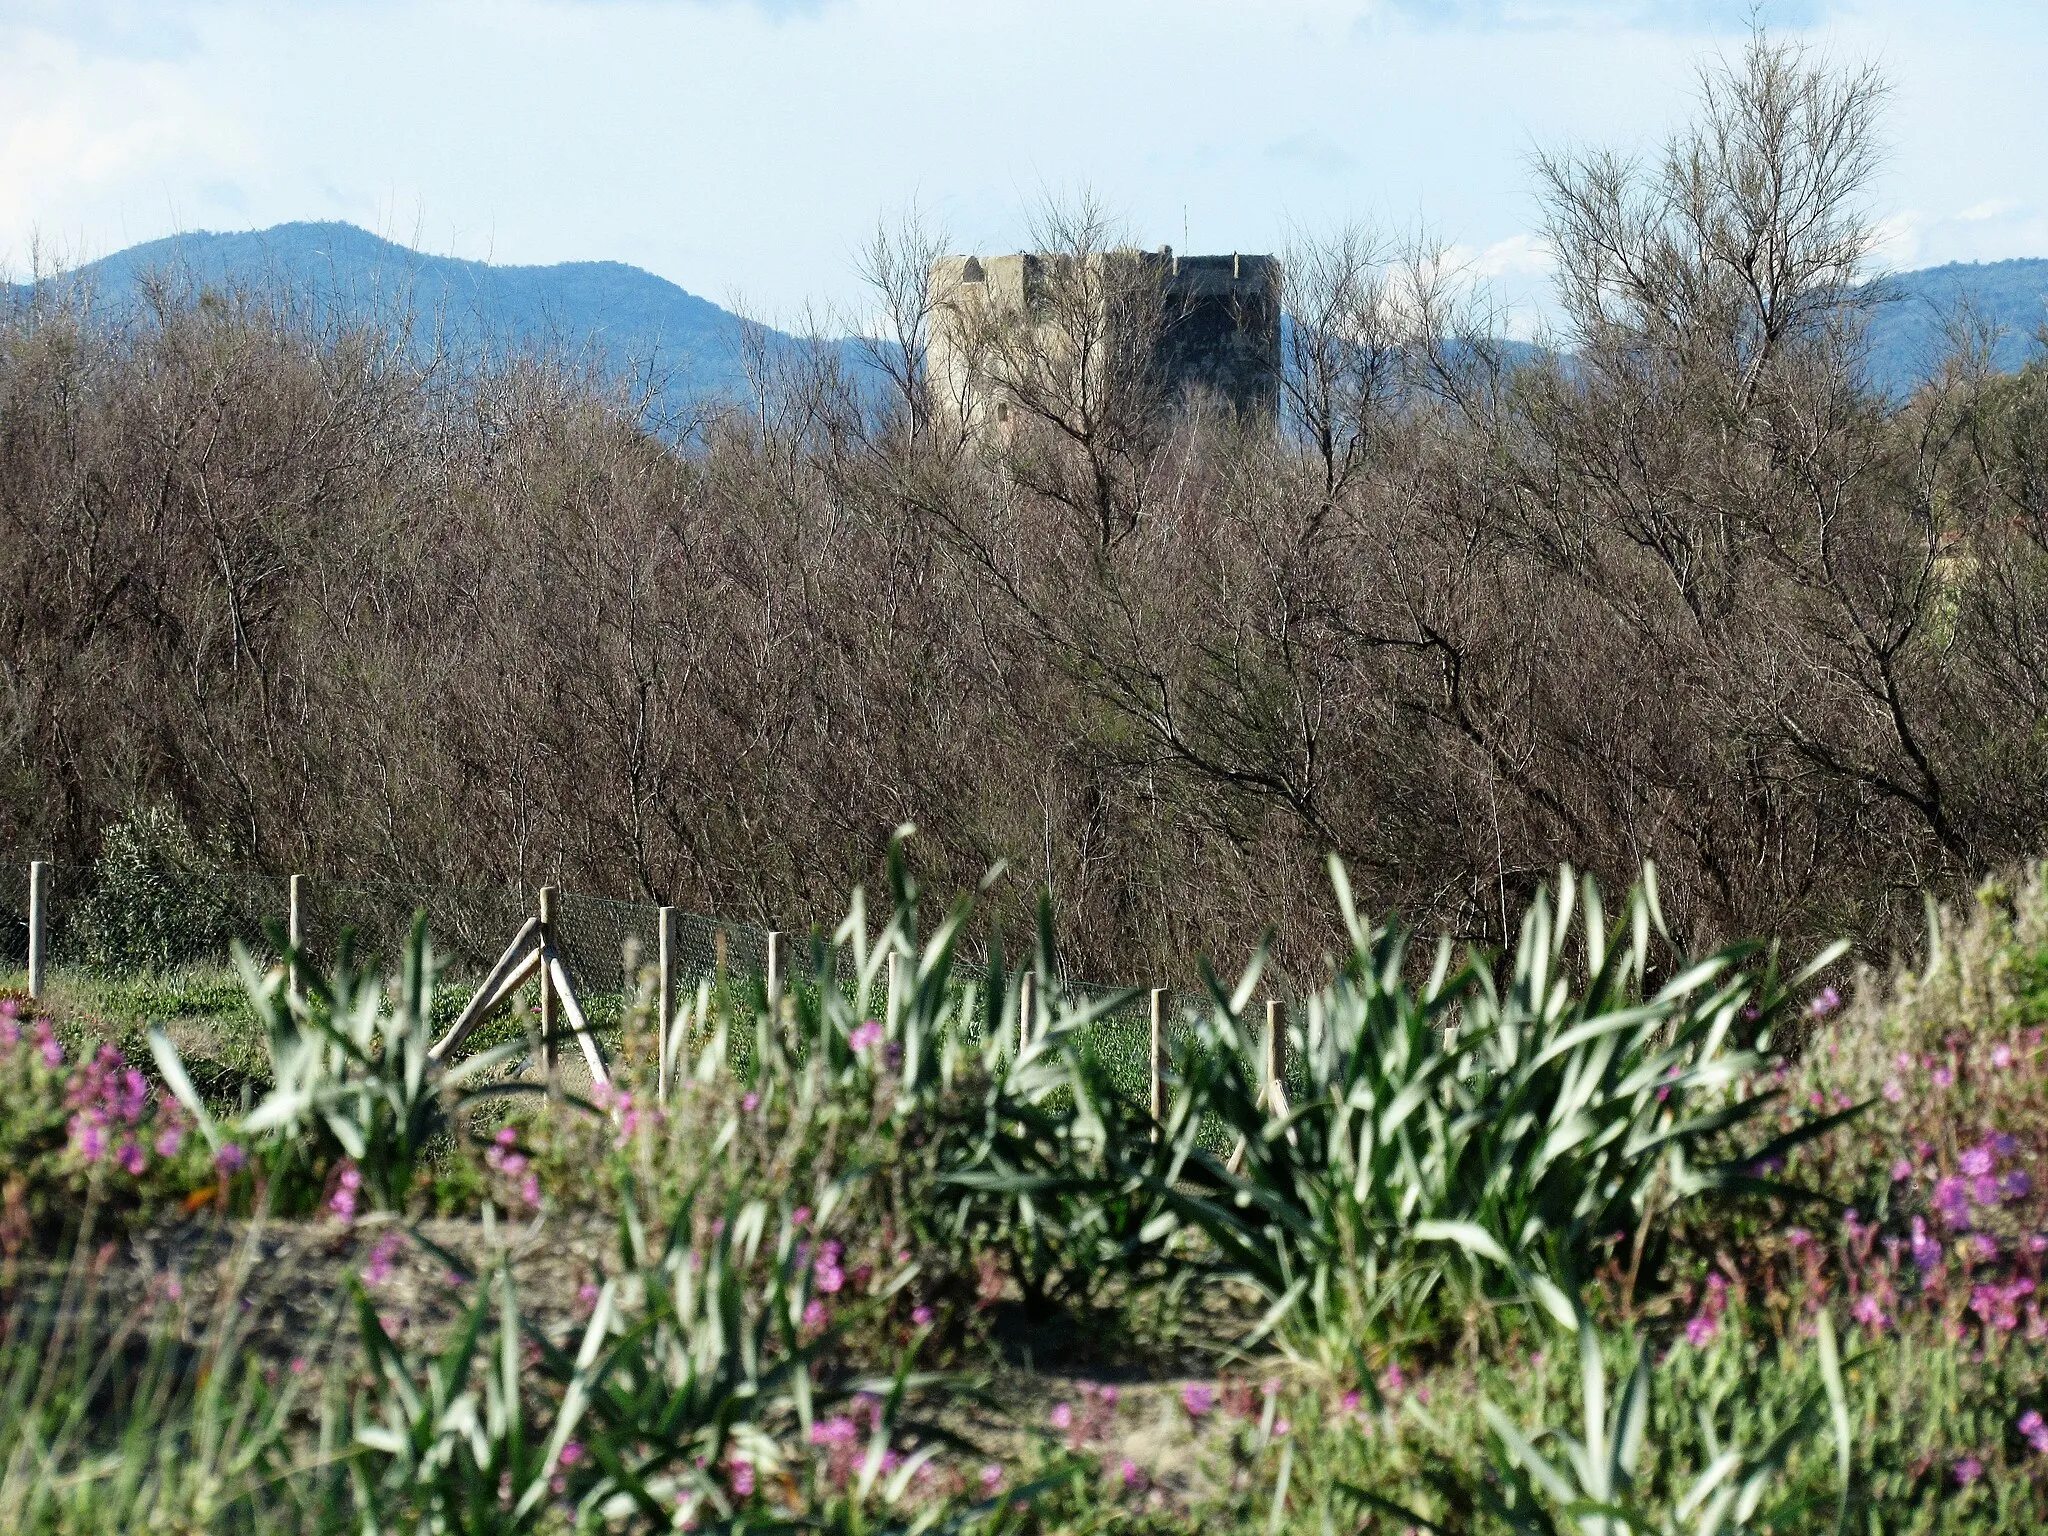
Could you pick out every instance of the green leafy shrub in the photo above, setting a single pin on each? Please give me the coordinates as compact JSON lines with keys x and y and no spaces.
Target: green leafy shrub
{"x":1006,"y":1174}
{"x":1460,"y":1145}
{"x":356,"y":1097}
{"x":155,"y":899}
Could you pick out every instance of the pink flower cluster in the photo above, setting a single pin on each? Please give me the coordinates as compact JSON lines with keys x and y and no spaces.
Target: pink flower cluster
{"x":739,"y":1476}
{"x":47,"y":1044}
{"x":630,"y":1116}
{"x":108,"y":1099}
{"x":866,"y":1036}
{"x":503,"y":1156}
{"x":844,"y":1438}
{"x":1997,"y":1306}
{"x":383,"y":1258}
{"x":1095,"y":1420}
{"x":825,"y":1268}
{"x":1882,"y":1286}
{"x":1978,"y":1184}
{"x":1705,"y":1324}
{"x":348,"y":1189}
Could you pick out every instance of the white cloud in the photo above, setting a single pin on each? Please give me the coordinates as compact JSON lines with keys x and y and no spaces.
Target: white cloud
{"x":1991,"y":208}
{"x":1519,"y":256}
{"x":83,"y":135}
{"x":1900,"y":239}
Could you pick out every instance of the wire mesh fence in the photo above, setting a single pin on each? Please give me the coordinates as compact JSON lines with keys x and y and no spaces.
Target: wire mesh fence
{"x":189,"y":918}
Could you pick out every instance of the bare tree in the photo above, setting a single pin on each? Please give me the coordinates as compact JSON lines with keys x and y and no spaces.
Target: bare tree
{"x":896,"y":265}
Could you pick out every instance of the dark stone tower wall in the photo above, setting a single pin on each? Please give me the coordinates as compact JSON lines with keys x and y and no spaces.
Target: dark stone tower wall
{"x":1220,"y":328}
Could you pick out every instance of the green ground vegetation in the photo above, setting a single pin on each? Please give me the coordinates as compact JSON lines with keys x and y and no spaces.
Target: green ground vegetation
{"x":1592,"y":1235}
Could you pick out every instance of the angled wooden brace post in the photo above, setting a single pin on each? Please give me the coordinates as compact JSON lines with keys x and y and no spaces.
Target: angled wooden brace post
{"x":565,"y":993}
{"x":514,"y":969}
{"x":533,"y":952}
{"x":1273,"y":1071}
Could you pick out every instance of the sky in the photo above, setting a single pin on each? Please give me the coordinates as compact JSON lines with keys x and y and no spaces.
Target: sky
{"x":745,"y":149}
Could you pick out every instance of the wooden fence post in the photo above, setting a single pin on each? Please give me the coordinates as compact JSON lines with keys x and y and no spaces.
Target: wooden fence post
{"x":889,"y":1003}
{"x":665,"y":997}
{"x":1276,"y":1058}
{"x":1158,"y":1059}
{"x":38,"y":924}
{"x":1027,"y":1010}
{"x":295,"y":931}
{"x":774,"y":977}
{"x":547,"y":992}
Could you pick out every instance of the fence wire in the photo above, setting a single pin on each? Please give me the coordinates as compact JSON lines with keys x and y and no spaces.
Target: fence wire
{"x":180,"y":919}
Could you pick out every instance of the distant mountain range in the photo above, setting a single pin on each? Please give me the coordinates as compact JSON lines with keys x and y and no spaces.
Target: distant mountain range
{"x":601,"y":310}
{"x":627,"y":317}
{"x":1910,"y":333}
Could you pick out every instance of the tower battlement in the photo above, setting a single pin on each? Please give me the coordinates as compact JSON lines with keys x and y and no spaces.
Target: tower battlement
{"x":1204,"y":323}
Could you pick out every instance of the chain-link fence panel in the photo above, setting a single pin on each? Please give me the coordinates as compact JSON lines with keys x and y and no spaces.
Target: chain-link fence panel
{"x":593,"y":935}
{"x":14,"y":913}
{"x":129,"y":921}
{"x":469,"y":926}
{"x":189,"y":917}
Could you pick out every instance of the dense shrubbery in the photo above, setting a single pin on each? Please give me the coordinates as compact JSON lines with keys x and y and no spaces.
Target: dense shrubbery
{"x":1700,"y":595}
{"x":811,"y":1226}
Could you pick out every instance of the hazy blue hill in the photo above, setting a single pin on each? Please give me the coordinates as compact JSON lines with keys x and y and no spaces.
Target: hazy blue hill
{"x":1908,"y":335}
{"x":633,"y":318}
{"x":628,"y":316}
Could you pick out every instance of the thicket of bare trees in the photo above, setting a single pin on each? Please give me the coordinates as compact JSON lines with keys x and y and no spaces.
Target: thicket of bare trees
{"x":1688,"y":590}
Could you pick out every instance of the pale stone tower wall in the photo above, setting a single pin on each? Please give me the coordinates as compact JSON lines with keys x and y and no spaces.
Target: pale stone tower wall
{"x":1219,"y":323}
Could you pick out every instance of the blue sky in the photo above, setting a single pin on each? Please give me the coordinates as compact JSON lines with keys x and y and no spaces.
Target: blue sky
{"x":744,"y":148}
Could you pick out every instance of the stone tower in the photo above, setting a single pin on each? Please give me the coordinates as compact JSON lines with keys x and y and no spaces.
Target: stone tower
{"x":1194,"y":323}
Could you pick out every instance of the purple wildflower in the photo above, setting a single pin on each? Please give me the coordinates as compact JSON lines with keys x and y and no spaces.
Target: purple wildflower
{"x":1952,"y":1199}
{"x":1926,"y":1250}
{"x":382,"y":1258}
